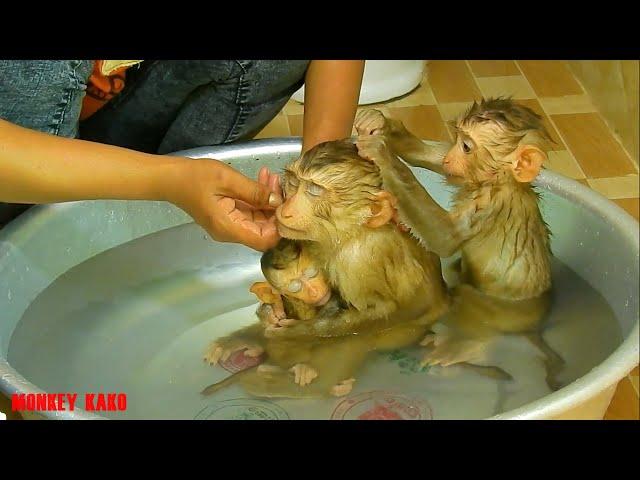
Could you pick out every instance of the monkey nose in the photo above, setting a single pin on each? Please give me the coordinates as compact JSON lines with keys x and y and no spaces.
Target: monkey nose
{"x":311,"y":290}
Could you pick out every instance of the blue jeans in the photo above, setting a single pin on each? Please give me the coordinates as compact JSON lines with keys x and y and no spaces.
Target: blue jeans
{"x":166,"y":105}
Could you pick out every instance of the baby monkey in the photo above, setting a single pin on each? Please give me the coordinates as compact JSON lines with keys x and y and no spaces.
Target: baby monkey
{"x":295,"y":290}
{"x":495,"y":221}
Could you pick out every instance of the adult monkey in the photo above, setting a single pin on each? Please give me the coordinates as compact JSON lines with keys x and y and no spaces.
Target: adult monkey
{"x":335,"y":199}
{"x":495,"y":220}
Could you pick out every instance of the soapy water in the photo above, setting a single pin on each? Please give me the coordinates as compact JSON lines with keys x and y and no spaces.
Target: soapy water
{"x":138,"y":318}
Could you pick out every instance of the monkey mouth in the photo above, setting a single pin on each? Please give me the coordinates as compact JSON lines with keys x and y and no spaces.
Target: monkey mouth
{"x":288,"y":232}
{"x":323,"y":300}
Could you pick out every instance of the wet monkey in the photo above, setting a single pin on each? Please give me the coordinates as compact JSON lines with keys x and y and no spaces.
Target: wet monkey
{"x":495,"y":221}
{"x":335,"y":202}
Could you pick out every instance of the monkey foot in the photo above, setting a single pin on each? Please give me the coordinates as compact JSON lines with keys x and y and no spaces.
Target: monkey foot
{"x":449,"y":352}
{"x":221,"y":350}
{"x":343,"y":388}
{"x":304,"y":374}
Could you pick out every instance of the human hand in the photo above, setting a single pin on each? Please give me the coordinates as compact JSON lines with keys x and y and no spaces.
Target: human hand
{"x":228,"y":205}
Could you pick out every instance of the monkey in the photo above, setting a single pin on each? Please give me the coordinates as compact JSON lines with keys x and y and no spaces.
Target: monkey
{"x":291,"y":272}
{"x":334,"y":201}
{"x":335,"y":207}
{"x":299,"y":290}
{"x":323,"y":367}
{"x":295,"y":290}
{"x":495,"y":221}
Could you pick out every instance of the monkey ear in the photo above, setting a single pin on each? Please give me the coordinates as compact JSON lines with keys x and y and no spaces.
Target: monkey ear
{"x":527,"y":163}
{"x":382,"y":210}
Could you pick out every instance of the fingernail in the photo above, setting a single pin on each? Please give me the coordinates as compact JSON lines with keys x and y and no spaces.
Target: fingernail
{"x":274,"y":200}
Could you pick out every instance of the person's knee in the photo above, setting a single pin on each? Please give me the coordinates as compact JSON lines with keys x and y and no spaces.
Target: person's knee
{"x":44,"y":95}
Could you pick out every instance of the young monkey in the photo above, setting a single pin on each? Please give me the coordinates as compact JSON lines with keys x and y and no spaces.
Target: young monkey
{"x":495,"y":221}
{"x":295,"y":290}
{"x":298,"y":291}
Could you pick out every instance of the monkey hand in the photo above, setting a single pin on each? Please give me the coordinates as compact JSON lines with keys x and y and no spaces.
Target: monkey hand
{"x":371,"y":122}
{"x":375,"y":149}
{"x":223,"y":348}
{"x":270,"y":316}
{"x":269,"y":296}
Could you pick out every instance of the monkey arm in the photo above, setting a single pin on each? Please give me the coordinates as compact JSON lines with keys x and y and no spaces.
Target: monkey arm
{"x":427,"y":220}
{"x":413,"y":150}
{"x":333,"y":324}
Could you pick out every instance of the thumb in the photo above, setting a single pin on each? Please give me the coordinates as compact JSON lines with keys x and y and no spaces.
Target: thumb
{"x":239,"y":187}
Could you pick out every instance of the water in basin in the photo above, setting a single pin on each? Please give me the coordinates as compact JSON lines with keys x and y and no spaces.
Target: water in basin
{"x":137,"y":319}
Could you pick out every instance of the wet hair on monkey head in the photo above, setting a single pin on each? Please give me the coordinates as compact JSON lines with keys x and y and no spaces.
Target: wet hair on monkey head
{"x":280,"y":257}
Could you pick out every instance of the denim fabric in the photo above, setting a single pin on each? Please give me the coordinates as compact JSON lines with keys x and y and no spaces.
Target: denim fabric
{"x":166,"y":105}
{"x":173,"y":105}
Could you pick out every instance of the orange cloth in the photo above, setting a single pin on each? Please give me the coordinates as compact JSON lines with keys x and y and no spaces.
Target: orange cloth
{"x":102,"y":87}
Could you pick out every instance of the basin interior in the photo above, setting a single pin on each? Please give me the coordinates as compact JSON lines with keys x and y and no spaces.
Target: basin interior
{"x":125,"y":297}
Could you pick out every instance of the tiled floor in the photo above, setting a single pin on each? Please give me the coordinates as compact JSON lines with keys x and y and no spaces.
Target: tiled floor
{"x":584,"y":149}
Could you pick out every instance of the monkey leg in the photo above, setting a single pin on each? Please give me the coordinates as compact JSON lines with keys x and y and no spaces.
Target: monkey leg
{"x":492,"y":372}
{"x":334,"y":361}
{"x":449,"y":348}
{"x":553,"y":362}
{"x":248,"y":339}
{"x":276,"y":382}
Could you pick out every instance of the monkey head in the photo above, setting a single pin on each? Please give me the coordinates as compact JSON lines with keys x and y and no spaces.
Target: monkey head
{"x":331,"y":193}
{"x":290,"y":270}
{"x":496,"y":141}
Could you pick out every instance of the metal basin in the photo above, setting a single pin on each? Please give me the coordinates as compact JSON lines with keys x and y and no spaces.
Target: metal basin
{"x":44,"y":248}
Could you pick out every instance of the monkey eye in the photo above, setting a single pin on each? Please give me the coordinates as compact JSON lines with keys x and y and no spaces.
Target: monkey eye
{"x":466,"y":147}
{"x":311,"y":272}
{"x":314,"y":190}
{"x":294,"y":286}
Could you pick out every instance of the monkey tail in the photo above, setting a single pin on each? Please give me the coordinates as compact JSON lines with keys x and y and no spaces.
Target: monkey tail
{"x":230,"y":380}
{"x":492,"y":372}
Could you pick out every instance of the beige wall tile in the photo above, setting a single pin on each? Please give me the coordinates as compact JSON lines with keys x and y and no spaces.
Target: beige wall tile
{"x":493,"y":68}
{"x":537,"y":108}
{"x":451,"y":111}
{"x":550,"y":78}
{"x":295,"y":125}
{"x":567,"y":104}
{"x":632,"y":206}
{"x":516,"y":87}
{"x":616,"y":187}
{"x":593,"y":146}
{"x":422,"y":95}
{"x":424,"y":122}
{"x":293,"y":108}
{"x":624,"y":404}
{"x":562,"y":162}
{"x":451,"y":81}
{"x":278,"y":127}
